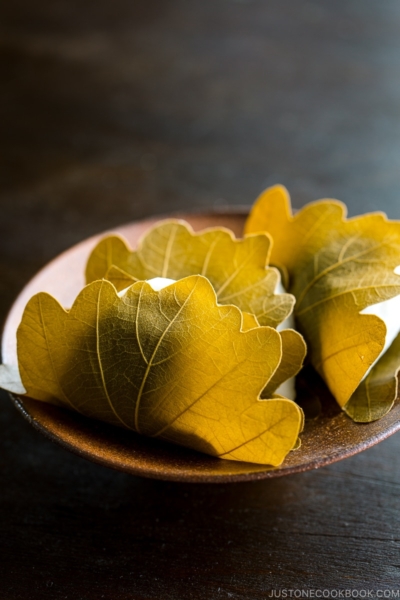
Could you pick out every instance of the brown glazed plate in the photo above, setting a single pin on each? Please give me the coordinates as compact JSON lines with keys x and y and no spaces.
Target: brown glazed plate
{"x":325,"y":440}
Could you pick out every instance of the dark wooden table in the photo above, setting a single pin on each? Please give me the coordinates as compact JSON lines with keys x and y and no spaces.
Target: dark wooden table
{"x":113,"y":111}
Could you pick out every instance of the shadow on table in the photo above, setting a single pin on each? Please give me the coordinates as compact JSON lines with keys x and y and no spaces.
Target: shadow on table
{"x":80,"y":530}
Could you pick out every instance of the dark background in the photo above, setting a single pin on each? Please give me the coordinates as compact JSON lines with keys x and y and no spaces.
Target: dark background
{"x":113,"y":111}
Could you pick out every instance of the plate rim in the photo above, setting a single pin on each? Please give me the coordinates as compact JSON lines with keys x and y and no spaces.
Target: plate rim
{"x":182,"y":477}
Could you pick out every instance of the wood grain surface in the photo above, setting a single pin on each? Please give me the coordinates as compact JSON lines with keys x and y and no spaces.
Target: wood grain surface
{"x":114,"y":111}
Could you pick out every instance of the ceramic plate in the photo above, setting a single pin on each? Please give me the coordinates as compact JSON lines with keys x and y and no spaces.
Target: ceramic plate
{"x":330,"y":438}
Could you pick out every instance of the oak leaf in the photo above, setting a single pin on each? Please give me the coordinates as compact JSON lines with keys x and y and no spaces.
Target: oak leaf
{"x":338,"y":268}
{"x":172,"y":364}
{"x":236,"y":268}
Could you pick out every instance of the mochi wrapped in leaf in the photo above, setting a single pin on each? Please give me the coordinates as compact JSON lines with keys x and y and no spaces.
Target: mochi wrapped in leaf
{"x":171,"y":364}
{"x":343,"y":275}
{"x":237,"y":268}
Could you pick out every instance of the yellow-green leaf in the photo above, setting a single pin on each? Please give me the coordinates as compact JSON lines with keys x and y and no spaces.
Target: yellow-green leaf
{"x":336,"y":268}
{"x":249,"y":321}
{"x":237,"y":269}
{"x":171,"y":364}
{"x":376,"y":394}
{"x":293,"y":353}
